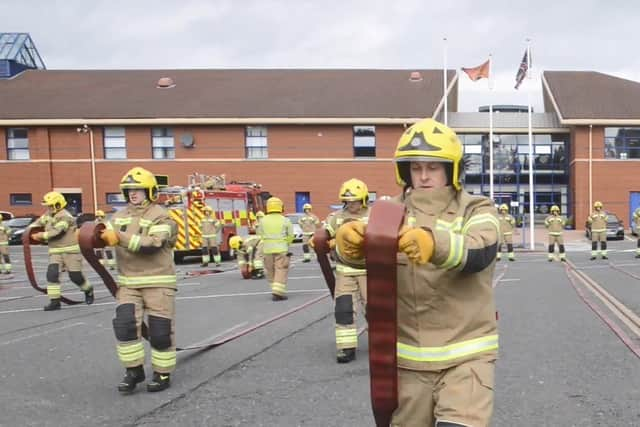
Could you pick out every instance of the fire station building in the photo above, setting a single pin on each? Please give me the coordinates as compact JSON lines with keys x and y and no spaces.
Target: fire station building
{"x":301,"y":133}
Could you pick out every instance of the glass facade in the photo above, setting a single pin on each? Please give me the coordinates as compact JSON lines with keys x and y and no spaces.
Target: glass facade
{"x":511,"y":170}
{"x":622,"y":143}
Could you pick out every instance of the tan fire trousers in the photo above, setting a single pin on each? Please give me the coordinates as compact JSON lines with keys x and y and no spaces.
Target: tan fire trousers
{"x":276,"y":267}
{"x":462,"y":394}
{"x":350,"y":293}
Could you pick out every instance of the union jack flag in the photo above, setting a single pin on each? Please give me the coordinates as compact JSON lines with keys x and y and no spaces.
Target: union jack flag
{"x":524,"y":68}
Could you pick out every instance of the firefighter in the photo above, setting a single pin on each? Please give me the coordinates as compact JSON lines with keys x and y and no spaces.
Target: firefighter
{"x":210,"y":227}
{"x":143,"y":236}
{"x":636,"y":219}
{"x":5,"y":261}
{"x":276,"y":232}
{"x":598,"y":222}
{"x":249,"y":253}
{"x":60,"y":234}
{"x":259,"y":217}
{"x":104,"y":254}
{"x":351,"y":283}
{"x":309,"y":222}
{"x":447,"y":331}
{"x":555,"y":224}
{"x":507,"y":223}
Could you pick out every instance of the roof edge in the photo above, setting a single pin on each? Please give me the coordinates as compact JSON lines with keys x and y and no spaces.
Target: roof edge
{"x":545,"y":84}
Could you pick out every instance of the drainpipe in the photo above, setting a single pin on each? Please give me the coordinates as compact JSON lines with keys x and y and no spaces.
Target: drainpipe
{"x":590,"y":168}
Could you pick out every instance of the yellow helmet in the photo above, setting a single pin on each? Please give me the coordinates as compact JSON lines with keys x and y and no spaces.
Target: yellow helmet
{"x":54,"y":200}
{"x":503,"y":207}
{"x":429,"y":141}
{"x":597,"y":204}
{"x":555,"y":208}
{"x":235,"y":242}
{"x":259,"y":214}
{"x":99,"y":213}
{"x":139,"y":179}
{"x":274,"y":204}
{"x":306,"y":206}
{"x":354,"y":190}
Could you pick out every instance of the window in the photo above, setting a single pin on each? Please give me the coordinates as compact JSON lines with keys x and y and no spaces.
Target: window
{"x":373,"y":196}
{"x":256,"y":145}
{"x":17,"y":144}
{"x":115,"y":143}
{"x":115,"y":199}
{"x":364,"y":141}
{"x":162,"y":143}
{"x":20,"y":199}
{"x":622,"y":143}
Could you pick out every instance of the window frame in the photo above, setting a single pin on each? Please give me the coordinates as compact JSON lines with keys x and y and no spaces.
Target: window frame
{"x":364,"y":146}
{"x":256,"y":147}
{"x":159,"y":143}
{"x":14,"y":202}
{"x":110,"y":150}
{"x":13,"y":151}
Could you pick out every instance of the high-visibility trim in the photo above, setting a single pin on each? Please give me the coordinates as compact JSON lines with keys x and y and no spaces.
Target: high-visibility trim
{"x":555,"y":233}
{"x":62,"y":225}
{"x":145,"y":223}
{"x":73,"y":249}
{"x":147,"y":280}
{"x":330,"y":230}
{"x":54,"y":290}
{"x":350,"y":271}
{"x":129,"y":353}
{"x":123,"y":221}
{"x":4,"y":243}
{"x":108,"y":225}
{"x":456,"y":250}
{"x":258,"y":264}
{"x":134,"y":243}
{"x":480,"y":219}
{"x":455,"y":225}
{"x":278,"y":288}
{"x":347,"y":336}
{"x":448,"y":352}
{"x":598,"y":230}
{"x":45,"y":235}
{"x":181,"y":240}
{"x":161,"y":228}
{"x":241,"y":262}
{"x":163,"y":359}
{"x":209,"y":236}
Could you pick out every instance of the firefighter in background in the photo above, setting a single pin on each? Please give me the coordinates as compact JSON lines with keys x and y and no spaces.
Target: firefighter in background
{"x":259,"y":217}
{"x":351,"y":282}
{"x":636,"y":219}
{"x":249,"y":253}
{"x":555,"y":224}
{"x":507,"y":223}
{"x":5,"y":261}
{"x":143,"y":236}
{"x":60,"y":234}
{"x":210,"y":227}
{"x":447,"y":330}
{"x":105,"y":255}
{"x":309,"y":222}
{"x":598,"y":221}
{"x":276,"y":232}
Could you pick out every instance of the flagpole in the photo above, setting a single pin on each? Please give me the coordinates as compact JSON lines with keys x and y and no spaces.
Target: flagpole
{"x":531,"y":162}
{"x":490,"y":129}
{"x":444,"y":82}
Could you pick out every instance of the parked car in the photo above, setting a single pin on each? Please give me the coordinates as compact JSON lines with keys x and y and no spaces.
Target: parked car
{"x":297,"y":230}
{"x":17,"y":226}
{"x":615,"y":227}
{"x":6,"y":215}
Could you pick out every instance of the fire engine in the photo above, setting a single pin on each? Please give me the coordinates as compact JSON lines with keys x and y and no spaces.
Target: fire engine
{"x":234,"y":204}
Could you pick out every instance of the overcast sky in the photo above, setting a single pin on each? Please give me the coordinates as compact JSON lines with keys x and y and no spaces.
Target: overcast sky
{"x":117,"y":34}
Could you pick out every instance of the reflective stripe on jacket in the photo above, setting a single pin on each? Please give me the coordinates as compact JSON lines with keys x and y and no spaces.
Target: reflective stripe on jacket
{"x":276,"y":232}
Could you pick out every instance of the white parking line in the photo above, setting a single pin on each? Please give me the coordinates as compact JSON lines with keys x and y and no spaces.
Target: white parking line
{"x":41,"y":333}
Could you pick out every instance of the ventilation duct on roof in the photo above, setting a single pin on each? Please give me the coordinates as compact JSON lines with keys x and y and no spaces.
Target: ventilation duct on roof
{"x":415,"y":76}
{"x":165,"y":83}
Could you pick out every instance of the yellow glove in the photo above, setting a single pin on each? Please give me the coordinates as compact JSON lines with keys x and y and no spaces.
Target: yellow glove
{"x":416,"y":243}
{"x":38,"y":237}
{"x":311,"y":243}
{"x":350,"y":240}
{"x":332,"y":244}
{"x":109,"y":237}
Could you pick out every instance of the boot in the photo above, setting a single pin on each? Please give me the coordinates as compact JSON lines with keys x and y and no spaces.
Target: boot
{"x":159,"y":382}
{"x":54,"y":304}
{"x":88,"y":296}
{"x":132,"y":377}
{"x":204,"y":264}
{"x":275,"y":297}
{"x":637,"y":255}
{"x":592,"y":257}
{"x":346,"y":355}
{"x":605,"y":257}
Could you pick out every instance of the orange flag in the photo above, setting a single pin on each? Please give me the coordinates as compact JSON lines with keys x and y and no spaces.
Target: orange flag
{"x":479,"y":72}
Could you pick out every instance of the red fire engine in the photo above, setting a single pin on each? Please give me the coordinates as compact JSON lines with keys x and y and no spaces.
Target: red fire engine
{"x":234,"y":204}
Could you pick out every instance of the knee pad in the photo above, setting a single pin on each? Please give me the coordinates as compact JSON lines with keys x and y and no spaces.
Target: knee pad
{"x":603,"y":246}
{"x":77,"y":277}
{"x":594,"y":246}
{"x":205,"y":251}
{"x":344,"y":310}
{"x":214,"y":250}
{"x":509,"y":247}
{"x":124,"y":324}
{"x":561,"y":248}
{"x":551,"y":249}
{"x":159,"y":332}
{"x":305,"y":248}
{"x":53,"y":273}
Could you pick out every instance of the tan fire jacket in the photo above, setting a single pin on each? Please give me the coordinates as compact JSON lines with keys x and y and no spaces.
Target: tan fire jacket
{"x":308,"y":222}
{"x":507,"y":222}
{"x":5,"y":233}
{"x":636,"y":216}
{"x":145,"y":252}
{"x":598,"y":221}
{"x":333,"y":222}
{"x":555,"y":224}
{"x":59,"y":232}
{"x":446,"y":309}
{"x":210,"y":226}
{"x":249,"y":249}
